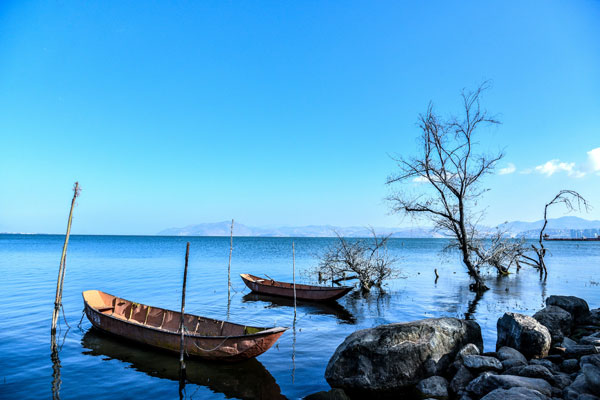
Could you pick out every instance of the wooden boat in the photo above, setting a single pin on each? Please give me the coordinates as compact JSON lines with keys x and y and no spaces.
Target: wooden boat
{"x":205,"y":338}
{"x":303,"y":292}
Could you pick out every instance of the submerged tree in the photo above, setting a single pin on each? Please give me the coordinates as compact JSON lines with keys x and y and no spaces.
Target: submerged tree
{"x":366,"y":260}
{"x":451,"y":170}
{"x":573,"y":201}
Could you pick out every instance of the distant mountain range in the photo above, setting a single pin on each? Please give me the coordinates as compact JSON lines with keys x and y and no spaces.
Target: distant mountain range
{"x":557,"y":227}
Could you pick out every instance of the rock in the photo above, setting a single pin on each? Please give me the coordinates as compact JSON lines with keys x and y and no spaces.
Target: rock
{"x":434,"y":387}
{"x":536,"y":371}
{"x":554,"y":358}
{"x":593,"y":359}
{"x":560,"y":380}
{"x":482,"y":363}
{"x":580,"y":350}
{"x":546,"y":363}
{"x":469,"y":350}
{"x":579,"y":386}
{"x":568,"y":342}
{"x":593,"y":340}
{"x":333,"y":394}
{"x":593,"y":318}
{"x":461,"y":380}
{"x":586,"y":396}
{"x":592,"y":377}
{"x":514,"y":362}
{"x":487,"y":382}
{"x":515,"y":393}
{"x":570,"y":365}
{"x":524,"y":334}
{"x":557,"y":320}
{"x":391,"y":357}
{"x":506,"y":353}
{"x":577,"y":307}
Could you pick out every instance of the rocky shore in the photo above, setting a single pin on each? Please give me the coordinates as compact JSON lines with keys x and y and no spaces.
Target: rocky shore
{"x":553,"y":355}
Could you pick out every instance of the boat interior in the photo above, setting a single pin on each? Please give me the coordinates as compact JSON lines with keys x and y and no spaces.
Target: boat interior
{"x":159,"y":318}
{"x":270,"y":282}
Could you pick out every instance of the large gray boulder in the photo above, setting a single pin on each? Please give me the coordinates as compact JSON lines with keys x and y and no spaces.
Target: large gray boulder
{"x":391,"y":357}
{"x":558,"y":321}
{"x":578,"y":308}
{"x":524,"y":334}
{"x":487,"y":382}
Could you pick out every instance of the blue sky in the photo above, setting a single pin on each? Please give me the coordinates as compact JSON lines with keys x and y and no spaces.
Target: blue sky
{"x":281,"y":113}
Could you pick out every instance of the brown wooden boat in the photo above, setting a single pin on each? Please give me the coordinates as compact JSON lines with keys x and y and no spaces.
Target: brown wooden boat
{"x":303,"y":292}
{"x":205,"y":338}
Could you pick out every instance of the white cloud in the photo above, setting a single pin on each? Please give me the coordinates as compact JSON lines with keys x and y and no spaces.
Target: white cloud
{"x":551,"y":167}
{"x":509,"y":169}
{"x":594,"y":159}
{"x":420,"y":179}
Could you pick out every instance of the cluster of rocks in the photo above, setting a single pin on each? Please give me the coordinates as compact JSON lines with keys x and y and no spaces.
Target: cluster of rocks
{"x":554,"y":354}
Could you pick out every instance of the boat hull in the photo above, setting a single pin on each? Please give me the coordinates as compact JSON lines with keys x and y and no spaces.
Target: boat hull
{"x":284,"y":289}
{"x":223,"y":348}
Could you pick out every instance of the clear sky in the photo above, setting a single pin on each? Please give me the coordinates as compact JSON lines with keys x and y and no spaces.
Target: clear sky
{"x":281,"y":113}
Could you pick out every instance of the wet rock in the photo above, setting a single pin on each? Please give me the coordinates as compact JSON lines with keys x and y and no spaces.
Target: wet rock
{"x":506,"y":353}
{"x":524,"y":334}
{"x":577,"y":307}
{"x":593,"y":318}
{"x":390,"y":357}
{"x":333,"y":394}
{"x":557,"y":320}
{"x":434,"y":387}
{"x":469,"y":350}
{"x":515,"y":393}
{"x":482,"y":363}
{"x":461,"y":380}
{"x":569,"y":366}
{"x":513,"y":362}
{"x":487,"y":382}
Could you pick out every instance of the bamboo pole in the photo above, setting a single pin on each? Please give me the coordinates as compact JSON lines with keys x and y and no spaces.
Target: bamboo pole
{"x":229,"y":267}
{"x":182,"y":323}
{"x":62,"y":267}
{"x":294,"y":276}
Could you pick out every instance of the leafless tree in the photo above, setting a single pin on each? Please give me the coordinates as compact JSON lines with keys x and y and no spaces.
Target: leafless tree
{"x":498,"y":251}
{"x":452,"y":170}
{"x":573,"y":201}
{"x":366,"y":260}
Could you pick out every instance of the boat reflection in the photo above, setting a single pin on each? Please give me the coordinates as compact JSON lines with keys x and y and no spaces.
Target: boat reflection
{"x":245,"y":380}
{"x":330,"y":308}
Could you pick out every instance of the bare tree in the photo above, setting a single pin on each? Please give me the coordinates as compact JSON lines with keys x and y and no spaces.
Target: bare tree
{"x":498,"y":251}
{"x":365,"y":260}
{"x":573,"y":201}
{"x":451,"y":170}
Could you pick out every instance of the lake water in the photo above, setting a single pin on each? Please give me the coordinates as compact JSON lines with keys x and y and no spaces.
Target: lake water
{"x":149,"y":270}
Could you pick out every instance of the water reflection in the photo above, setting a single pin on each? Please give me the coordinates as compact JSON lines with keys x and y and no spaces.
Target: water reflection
{"x":246,"y":380}
{"x":54,"y":356}
{"x":331,"y":308}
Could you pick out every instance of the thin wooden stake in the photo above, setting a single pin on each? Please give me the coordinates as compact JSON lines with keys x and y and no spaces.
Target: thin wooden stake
{"x":294,"y":276}
{"x":229,"y":267}
{"x":62,"y":267}
{"x":182,"y":324}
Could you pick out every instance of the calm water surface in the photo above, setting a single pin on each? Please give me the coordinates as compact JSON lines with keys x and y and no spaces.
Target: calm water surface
{"x":149,"y":270}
